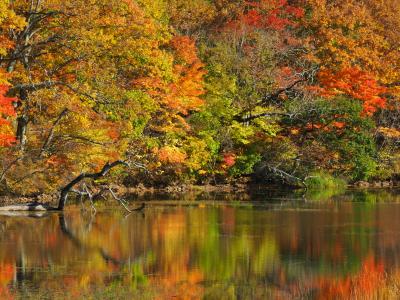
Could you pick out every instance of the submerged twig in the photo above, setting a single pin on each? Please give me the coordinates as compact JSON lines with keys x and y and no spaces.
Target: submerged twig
{"x":119,"y":200}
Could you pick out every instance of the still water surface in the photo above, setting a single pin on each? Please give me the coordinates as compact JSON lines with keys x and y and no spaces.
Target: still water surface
{"x":342,"y":248}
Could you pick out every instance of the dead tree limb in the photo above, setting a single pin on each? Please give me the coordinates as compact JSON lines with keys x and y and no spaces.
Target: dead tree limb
{"x":286,"y":176}
{"x":119,"y":200}
{"x":69,"y":188}
{"x":124,"y":202}
{"x":66,"y":189}
{"x":27,"y":207}
{"x":86,"y":189}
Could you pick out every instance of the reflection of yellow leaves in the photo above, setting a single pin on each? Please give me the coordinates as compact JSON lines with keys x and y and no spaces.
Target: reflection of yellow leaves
{"x":84,"y":281}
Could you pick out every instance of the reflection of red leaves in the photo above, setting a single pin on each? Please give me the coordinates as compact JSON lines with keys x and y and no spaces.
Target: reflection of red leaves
{"x":366,"y":282}
{"x":51,"y":240}
{"x":6,"y":273}
{"x":5,"y":293}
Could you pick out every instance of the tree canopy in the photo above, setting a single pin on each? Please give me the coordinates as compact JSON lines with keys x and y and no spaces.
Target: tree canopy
{"x":198,"y":91}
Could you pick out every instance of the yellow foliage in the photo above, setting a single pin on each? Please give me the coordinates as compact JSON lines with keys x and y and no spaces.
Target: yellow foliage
{"x":389,"y":132}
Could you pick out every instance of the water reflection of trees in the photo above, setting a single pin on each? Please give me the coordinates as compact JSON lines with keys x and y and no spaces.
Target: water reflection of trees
{"x":213,"y":252}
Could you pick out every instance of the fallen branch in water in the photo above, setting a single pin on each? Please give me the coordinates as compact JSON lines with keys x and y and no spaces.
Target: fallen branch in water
{"x":28,"y":207}
{"x":69,"y":188}
{"x":66,"y":189}
{"x":124,"y":203}
{"x":286,"y":176}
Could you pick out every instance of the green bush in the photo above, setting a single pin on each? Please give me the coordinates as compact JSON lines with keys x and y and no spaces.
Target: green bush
{"x":321,"y":180}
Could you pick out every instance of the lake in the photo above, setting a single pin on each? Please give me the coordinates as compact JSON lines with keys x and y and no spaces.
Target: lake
{"x":266,"y":247}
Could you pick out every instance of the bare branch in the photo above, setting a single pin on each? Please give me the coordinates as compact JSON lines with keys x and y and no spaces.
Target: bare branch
{"x":66,"y":189}
{"x":277,"y":93}
{"x":119,"y":200}
{"x":266,"y":114}
{"x":51,"y":132}
{"x":286,"y":176}
{"x":32,"y":86}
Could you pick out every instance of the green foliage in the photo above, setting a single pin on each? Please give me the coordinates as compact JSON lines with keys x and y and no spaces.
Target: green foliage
{"x":324,"y":181}
{"x":245,"y":164}
{"x":339,"y":127}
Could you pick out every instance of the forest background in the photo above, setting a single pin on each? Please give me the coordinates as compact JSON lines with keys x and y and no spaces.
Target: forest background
{"x":198,"y":91}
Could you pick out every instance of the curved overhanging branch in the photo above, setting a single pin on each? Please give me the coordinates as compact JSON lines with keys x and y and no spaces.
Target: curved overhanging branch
{"x":66,"y":189}
{"x":69,"y":188}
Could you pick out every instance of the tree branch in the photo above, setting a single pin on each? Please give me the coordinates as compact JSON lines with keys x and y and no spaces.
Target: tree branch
{"x":32,"y":86}
{"x":242,"y":119}
{"x":51,"y":132}
{"x":239,"y":117}
{"x":66,"y":189}
{"x":286,"y":176}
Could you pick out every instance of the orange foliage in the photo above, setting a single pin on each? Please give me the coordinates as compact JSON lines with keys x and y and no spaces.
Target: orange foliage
{"x":353,"y":82}
{"x":182,"y":95}
{"x":171,"y":155}
{"x":186,"y":90}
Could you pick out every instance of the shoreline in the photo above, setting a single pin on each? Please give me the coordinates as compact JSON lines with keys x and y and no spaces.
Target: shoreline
{"x":140,"y":192}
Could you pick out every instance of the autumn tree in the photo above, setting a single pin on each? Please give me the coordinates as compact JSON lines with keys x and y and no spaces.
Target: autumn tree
{"x":253,"y":64}
{"x":72,"y":69}
{"x":198,"y":90}
{"x":8,"y":20}
{"x":355,"y":48}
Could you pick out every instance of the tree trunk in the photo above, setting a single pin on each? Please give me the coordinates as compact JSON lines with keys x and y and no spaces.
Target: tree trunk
{"x":22,"y":125}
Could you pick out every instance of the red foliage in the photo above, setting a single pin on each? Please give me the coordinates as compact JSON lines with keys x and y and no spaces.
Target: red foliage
{"x":269,"y":14}
{"x":229,"y":159}
{"x":355,"y":83}
{"x":6,"y":273}
{"x":6,"y":110}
